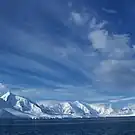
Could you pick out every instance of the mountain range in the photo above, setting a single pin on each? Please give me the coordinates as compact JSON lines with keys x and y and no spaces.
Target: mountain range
{"x":15,"y":106}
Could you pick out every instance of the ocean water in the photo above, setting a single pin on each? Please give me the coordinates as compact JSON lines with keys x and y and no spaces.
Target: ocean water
{"x":125,"y":126}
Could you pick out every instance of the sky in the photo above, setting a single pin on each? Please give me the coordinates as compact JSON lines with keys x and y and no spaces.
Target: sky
{"x":68,"y":49}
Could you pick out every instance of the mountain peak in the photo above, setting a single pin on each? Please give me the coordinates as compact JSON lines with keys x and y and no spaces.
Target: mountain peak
{"x":22,"y":106}
{"x":21,"y":103}
{"x":7,"y":95}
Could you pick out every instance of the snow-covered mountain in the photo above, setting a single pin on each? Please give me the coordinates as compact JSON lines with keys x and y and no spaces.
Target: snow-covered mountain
{"x":22,"y":104}
{"x":103,"y":109}
{"x":14,"y":106}
{"x":19,"y":106}
{"x":72,"y":109}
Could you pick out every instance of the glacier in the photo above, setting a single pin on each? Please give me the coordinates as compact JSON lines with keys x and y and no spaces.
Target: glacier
{"x":15,"y":106}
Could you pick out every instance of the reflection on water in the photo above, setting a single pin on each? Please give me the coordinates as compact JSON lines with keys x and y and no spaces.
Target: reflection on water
{"x":84,"y":127}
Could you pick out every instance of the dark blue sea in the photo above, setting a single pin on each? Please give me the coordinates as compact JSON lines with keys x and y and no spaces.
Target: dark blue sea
{"x":96,"y":126}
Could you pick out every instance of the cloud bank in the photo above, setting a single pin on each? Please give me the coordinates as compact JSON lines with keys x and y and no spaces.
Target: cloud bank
{"x":63,"y":52}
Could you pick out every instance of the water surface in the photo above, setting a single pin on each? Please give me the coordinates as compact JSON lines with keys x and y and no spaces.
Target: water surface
{"x":103,"y":126}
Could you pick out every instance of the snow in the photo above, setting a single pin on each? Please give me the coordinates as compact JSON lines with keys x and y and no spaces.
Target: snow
{"x":12,"y":106}
{"x":18,"y":113}
{"x":72,"y":109}
{"x":102,"y":109}
{"x":82,"y":107}
{"x":22,"y":104}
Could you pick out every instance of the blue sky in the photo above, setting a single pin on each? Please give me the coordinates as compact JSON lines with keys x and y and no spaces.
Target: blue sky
{"x":68,"y":49}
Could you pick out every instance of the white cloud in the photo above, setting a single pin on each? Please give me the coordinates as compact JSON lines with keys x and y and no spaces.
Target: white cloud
{"x":3,"y":88}
{"x":95,"y":25}
{"x":122,"y":99}
{"x":61,"y":57}
{"x":114,"y":46}
{"x":116,"y":69}
{"x":110,"y":11}
{"x":67,"y":57}
{"x":85,"y":93}
{"x":98,"y":38}
{"x":116,"y":75}
{"x":78,"y":18}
